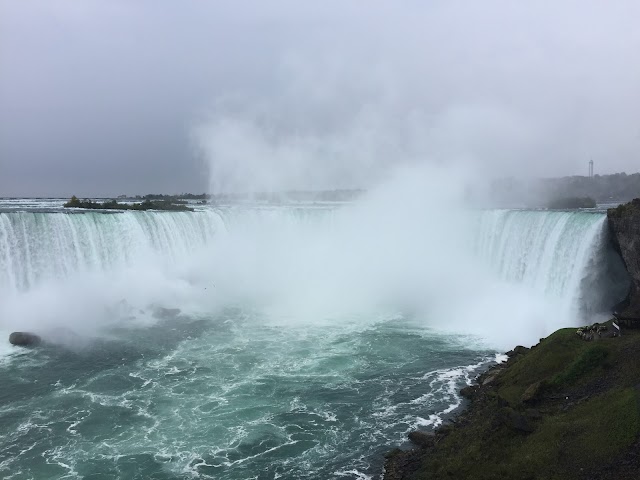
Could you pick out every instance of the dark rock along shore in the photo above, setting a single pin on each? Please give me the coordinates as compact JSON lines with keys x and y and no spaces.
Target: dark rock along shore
{"x":624,"y":225}
{"x":565,"y":409}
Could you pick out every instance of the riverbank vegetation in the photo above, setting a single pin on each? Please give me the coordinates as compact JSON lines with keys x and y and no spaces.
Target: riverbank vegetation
{"x":147,"y":204}
{"x":512,"y":192}
{"x":565,"y":409}
{"x":571,"y":203}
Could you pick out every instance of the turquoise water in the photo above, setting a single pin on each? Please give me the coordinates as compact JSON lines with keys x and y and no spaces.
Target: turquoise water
{"x":229,"y":397}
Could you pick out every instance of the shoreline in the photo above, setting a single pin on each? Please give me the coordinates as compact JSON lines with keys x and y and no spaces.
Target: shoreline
{"x":565,"y":408}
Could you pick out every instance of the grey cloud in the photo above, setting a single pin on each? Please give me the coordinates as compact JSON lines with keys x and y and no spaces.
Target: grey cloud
{"x":106,"y":97}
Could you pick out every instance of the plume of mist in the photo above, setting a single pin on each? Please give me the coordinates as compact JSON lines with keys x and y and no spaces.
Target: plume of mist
{"x":505,"y":90}
{"x":296,"y":140}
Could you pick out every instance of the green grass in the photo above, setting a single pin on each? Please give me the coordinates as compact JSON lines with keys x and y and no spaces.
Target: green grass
{"x":597,"y":422}
{"x":587,"y":363}
{"x":541,"y":363}
{"x":588,"y":435}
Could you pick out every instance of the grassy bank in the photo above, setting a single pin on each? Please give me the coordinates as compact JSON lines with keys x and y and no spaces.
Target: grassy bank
{"x":565,"y":409}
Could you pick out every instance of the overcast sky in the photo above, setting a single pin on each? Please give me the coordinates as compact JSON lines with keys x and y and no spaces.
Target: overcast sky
{"x":103,"y":97}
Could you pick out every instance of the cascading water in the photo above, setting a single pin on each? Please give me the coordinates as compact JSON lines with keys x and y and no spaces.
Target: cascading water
{"x":560,"y":255}
{"x":35,"y":247}
{"x":564,"y":255}
{"x":311,"y":338}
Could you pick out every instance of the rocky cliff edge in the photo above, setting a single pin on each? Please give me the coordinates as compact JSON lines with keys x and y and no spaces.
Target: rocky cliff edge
{"x":624,"y":225}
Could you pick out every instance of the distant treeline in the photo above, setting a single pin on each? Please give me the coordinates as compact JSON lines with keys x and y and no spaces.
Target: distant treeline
{"x":615,"y":188}
{"x":572,"y":202}
{"x":182,"y":196}
{"x":271,"y":197}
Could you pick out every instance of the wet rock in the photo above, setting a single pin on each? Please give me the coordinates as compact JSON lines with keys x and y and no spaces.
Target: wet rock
{"x":393,"y":453}
{"x":469,"y":392}
{"x":24,"y":339}
{"x":490,"y":379}
{"x":533,"y":392}
{"x":519,"y":350}
{"x":444,"y":430}
{"x":401,"y":465}
{"x":421,"y":439}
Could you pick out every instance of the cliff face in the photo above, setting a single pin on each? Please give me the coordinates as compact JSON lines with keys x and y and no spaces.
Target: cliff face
{"x":624,"y":224}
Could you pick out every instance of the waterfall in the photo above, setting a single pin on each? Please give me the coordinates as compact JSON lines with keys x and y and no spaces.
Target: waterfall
{"x":564,"y":255}
{"x":313,"y":258}
{"x":40,"y":246}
